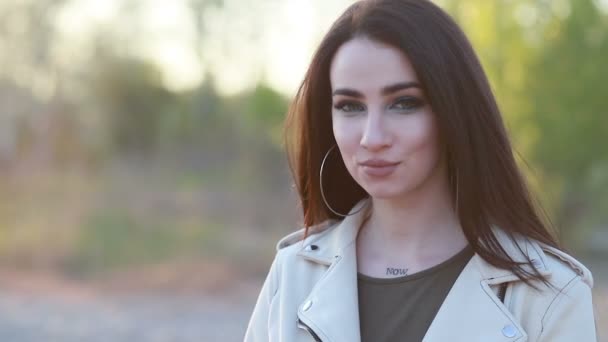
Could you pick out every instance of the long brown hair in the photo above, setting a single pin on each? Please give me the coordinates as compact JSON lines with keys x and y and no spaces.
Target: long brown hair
{"x":491,"y":188}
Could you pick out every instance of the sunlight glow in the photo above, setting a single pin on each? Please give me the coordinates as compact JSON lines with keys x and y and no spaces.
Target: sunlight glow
{"x":247,"y":42}
{"x":602,"y":5}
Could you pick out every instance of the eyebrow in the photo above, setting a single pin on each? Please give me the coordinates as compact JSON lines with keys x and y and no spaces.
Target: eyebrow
{"x":385,"y":91}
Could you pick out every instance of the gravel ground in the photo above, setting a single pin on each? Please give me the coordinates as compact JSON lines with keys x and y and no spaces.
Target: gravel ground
{"x":146,"y":319}
{"x":601,"y":312}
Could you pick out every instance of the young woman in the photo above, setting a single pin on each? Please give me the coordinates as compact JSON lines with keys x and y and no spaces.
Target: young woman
{"x":418,"y":226}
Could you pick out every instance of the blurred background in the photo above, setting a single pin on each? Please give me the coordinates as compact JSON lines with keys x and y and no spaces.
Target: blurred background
{"x":144,"y":182}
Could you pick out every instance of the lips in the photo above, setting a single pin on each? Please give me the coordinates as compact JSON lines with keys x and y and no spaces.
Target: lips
{"x":378,"y":167}
{"x":378,"y":163}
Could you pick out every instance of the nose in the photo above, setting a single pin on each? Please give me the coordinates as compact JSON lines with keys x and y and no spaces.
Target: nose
{"x":375,"y":135}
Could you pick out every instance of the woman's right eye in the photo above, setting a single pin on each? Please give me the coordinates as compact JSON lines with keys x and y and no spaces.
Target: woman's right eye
{"x":349,"y":106}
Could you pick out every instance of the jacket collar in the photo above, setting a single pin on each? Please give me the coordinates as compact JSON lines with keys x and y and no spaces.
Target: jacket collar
{"x":334,"y":298}
{"x":333,"y":242}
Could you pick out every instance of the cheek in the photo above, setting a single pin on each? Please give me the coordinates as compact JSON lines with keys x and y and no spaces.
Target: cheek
{"x":421,"y":140}
{"x":346,"y":135}
{"x":347,"y":138}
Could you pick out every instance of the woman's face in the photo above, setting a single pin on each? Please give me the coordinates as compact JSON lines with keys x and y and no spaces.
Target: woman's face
{"x":384,"y":128}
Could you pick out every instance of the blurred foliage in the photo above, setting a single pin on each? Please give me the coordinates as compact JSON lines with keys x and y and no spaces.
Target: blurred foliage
{"x":115,"y":239}
{"x":569,"y":106}
{"x":266,"y":111}
{"x":109,"y":119}
{"x":135,"y":101}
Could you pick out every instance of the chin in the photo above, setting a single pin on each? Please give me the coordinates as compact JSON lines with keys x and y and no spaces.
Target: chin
{"x":384,"y":193}
{"x":384,"y":196}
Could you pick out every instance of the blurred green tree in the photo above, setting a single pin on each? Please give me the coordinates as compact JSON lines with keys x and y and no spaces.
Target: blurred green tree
{"x":566,"y":88}
{"x":135,"y":101}
{"x":265,"y":111}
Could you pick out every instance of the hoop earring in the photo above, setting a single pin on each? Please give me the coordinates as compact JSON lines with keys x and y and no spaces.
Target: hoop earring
{"x":456,"y":191}
{"x":323,"y":193}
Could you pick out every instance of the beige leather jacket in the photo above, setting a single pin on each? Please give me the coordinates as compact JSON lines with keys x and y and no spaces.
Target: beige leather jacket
{"x":310,"y":294}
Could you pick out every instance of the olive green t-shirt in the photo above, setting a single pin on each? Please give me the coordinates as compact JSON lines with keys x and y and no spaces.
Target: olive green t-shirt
{"x":402,"y":308}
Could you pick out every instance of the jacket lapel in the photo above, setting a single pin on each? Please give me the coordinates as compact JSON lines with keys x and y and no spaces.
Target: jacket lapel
{"x":333,"y":312}
{"x":331,"y":309}
{"x":471,"y":312}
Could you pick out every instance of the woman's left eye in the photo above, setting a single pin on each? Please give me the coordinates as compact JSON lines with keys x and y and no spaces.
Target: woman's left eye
{"x":408,"y":103}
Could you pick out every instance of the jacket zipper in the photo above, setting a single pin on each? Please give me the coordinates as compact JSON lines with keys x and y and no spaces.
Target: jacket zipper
{"x":310,"y":331}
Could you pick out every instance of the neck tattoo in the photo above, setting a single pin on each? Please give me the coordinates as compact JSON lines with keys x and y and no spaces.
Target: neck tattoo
{"x":396,"y":271}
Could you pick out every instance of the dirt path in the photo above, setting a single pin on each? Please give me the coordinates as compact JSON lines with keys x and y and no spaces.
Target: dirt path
{"x":134,"y":318}
{"x":35,"y":308}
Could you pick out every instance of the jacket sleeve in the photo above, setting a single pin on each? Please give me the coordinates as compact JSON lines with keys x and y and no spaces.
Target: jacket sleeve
{"x":570,"y":316}
{"x":257,"y":329}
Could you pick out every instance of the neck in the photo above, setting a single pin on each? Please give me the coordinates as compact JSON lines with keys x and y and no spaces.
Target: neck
{"x":421,"y":225}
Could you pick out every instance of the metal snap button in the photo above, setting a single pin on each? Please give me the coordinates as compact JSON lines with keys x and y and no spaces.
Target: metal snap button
{"x":312,"y":247}
{"x":509,"y":331}
{"x":307,"y":305}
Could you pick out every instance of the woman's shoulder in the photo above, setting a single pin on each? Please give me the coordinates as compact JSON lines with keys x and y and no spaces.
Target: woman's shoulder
{"x":564,"y":267}
{"x":560,"y":266}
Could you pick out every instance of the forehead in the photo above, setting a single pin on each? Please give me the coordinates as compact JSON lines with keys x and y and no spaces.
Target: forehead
{"x":368,"y":65}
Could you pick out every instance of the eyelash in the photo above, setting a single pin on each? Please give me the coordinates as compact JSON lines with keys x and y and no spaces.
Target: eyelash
{"x":413,"y":101}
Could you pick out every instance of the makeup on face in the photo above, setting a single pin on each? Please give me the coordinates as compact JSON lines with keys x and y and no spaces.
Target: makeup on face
{"x":381,"y":120}
{"x":401,"y":96}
